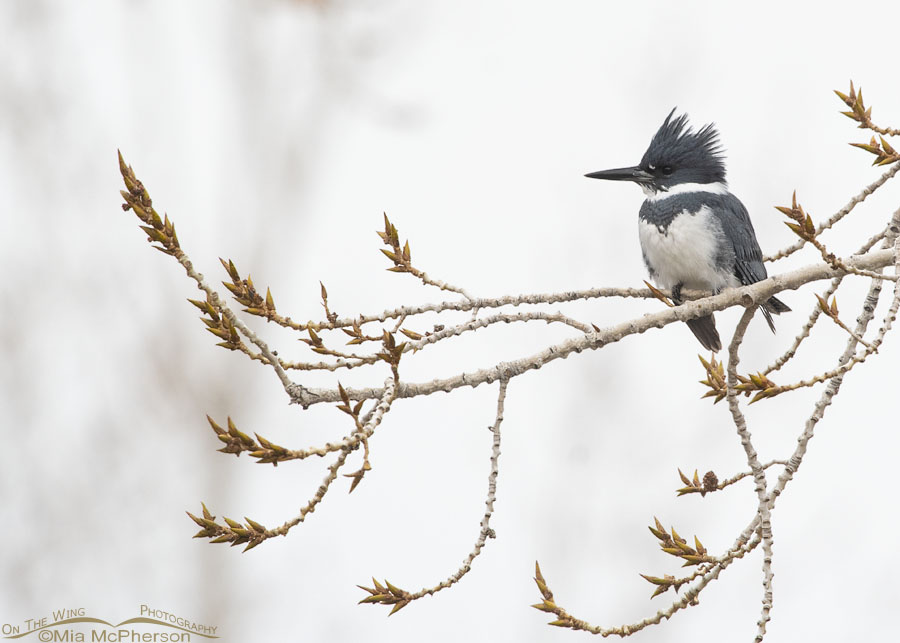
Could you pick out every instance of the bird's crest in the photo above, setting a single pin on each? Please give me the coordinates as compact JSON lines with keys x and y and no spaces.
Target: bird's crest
{"x":677,"y":144}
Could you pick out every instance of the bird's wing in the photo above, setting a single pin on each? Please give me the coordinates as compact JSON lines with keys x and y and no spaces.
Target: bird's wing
{"x":748,"y":264}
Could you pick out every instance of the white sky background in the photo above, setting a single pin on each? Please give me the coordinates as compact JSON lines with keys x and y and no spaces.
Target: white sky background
{"x":276,"y":133}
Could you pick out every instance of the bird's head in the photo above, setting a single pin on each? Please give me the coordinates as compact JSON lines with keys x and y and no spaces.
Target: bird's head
{"x":676,"y":155}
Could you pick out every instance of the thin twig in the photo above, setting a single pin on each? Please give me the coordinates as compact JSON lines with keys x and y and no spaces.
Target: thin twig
{"x":486,"y":531}
{"x":348,"y":361}
{"x":730,"y":481}
{"x":370,"y":422}
{"x":220,"y":305}
{"x":756,"y":467}
{"x":442,"y":285}
{"x":493,"y":302}
{"x":837,"y":216}
{"x":687,"y":599}
{"x":817,"y":311}
{"x":804,"y":332}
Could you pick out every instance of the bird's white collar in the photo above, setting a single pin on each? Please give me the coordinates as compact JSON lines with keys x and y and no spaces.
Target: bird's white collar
{"x":684,"y":188}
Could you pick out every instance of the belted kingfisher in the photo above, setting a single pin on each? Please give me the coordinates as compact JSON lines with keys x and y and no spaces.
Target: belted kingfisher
{"x":694,"y":233}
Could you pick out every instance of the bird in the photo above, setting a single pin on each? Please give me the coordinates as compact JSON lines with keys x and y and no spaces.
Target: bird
{"x":694,"y":232}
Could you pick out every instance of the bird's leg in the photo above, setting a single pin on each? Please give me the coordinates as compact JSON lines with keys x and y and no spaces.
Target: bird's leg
{"x":676,"y":294}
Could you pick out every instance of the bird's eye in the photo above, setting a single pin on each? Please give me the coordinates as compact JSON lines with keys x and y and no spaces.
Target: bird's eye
{"x":667,"y":169}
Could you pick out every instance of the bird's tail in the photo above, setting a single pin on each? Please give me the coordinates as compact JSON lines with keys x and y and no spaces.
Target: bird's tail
{"x":704,"y":329}
{"x":773,"y":307}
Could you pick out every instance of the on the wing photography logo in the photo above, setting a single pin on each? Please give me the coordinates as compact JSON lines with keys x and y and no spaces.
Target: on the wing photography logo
{"x":75,"y":625}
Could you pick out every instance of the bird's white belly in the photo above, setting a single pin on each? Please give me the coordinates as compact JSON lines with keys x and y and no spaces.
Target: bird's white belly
{"x":685,"y":253}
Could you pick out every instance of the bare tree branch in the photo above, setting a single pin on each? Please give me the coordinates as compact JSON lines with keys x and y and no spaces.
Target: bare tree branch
{"x":394,"y":336}
{"x":744,"y":296}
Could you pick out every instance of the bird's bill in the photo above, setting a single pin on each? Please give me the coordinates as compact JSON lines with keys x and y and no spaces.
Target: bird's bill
{"x":635,"y":174}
